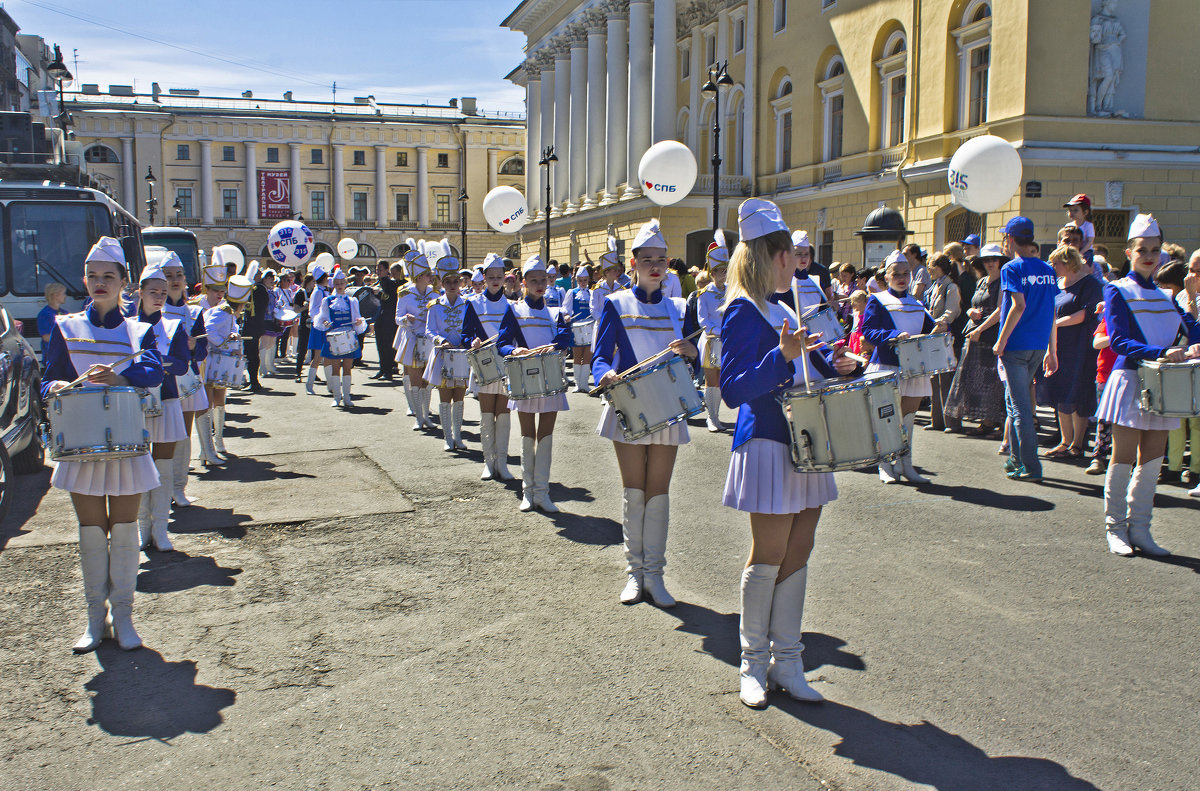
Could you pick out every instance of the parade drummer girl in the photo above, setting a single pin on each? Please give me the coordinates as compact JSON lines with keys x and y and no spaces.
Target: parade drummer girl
{"x":481,"y":323}
{"x":335,"y":313}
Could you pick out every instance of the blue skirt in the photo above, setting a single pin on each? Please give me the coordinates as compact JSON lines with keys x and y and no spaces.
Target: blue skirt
{"x":316,"y":339}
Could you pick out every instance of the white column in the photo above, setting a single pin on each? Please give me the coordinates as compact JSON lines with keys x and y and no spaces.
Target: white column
{"x":699,"y":70}
{"x":666,"y":74}
{"x":296,"y":188}
{"x":722,"y":35}
{"x":618,"y":106}
{"x":206,"y":182}
{"x":339,"y":184}
{"x":562,"y":129}
{"x":533,"y":139}
{"x":128,"y":183}
{"x":251,"y":184}
{"x":578,"y":145}
{"x":751,"y":81}
{"x":381,"y":187}
{"x":423,"y":187}
{"x":596,"y":100}
{"x":640,"y":75}
{"x":547,"y":133}
{"x":493,"y":166}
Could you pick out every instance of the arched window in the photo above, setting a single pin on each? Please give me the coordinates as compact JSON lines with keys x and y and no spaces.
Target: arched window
{"x":513,"y":166}
{"x":366,"y":251}
{"x":973,"y":38}
{"x":833,"y":108}
{"x":893,"y":89}
{"x":101,"y":154}
{"x":782,"y":105}
{"x":513,"y":252}
{"x":398,"y":251}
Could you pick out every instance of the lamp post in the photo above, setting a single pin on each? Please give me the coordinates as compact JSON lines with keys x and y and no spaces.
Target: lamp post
{"x":718,"y":77}
{"x":547,"y":158}
{"x":178,"y":207}
{"x":151,"y":202}
{"x":462,"y":219}
{"x":58,"y":71}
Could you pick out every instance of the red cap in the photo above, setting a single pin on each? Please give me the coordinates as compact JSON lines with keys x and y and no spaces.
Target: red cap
{"x":1079,"y":200}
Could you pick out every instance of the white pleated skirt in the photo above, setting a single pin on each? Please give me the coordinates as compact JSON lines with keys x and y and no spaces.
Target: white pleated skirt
{"x":917,"y":387}
{"x":196,"y":402}
{"x":169,"y":426}
{"x":762,"y":480}
{"x":1120,"y":403}
{"x":404,"y":349}
{"x":495,"y":388}
{"x":554,"y":403}
{"x":135,"y":475}
{"x":610,"y":428}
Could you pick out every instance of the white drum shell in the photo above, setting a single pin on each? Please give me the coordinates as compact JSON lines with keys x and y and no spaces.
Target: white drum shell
{"x":487,"y":363}
{"x":536,"y":375}
{"x":421,"y":346}
{"x":97,"y":424}
{"x":341,"y":342}
{"x":188,"y":383}
{"x":152,"y":400}
{"x":844,"y":424}
{"x":825,"y":321}
{"x":224,"y":370}
{"x":925,"y":355}
{"x":581,"y":332}
{"x":712,"y":351}
{"x":655,"y":398}
{"x":1170,"y":389}
{"x":456,"y":368}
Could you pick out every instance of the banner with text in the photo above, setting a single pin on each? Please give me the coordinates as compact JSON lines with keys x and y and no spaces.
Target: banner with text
{"x":274,"y":194}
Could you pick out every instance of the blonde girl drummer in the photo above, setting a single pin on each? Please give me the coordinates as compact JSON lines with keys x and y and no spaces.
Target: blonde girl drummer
{"x":224,"y":337}
{"x":412,"y":313}
{"x":761,"y":356}
{"x":166,"y":430}
{"x":577,"y":303}
{"x":611,"y":269}
{"x":481,"y":324}
{"x":105,"y":494}
{"x":634,"y":325}
{"x":1143,"y":324}
{"x":528,"y":327}
{"x":444,"y":326}
{"x":215,"y":278}
{"x":339,"y":312}
{"x":893,"y":315}
{"x":708,"y":312}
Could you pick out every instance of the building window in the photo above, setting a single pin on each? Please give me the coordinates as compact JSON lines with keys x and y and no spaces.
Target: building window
{"x":780,"y":15}
{"x":977,"y":108}
{"x":514,"y":166}
{"x":825,"y":4}
{"x":893,"y":86}
{"x":401,"y":159}
{"x":318,"y":157}
{"x":443,"y":208}
{"x":685,"y":62}
{"x":833,"y":100}
{"x":782,"y":105}
{"x":273,"y":155}
{"x":358,"y":202}
{"x":360,"y":157}
{"x":184,"y":196}
{"x":402,"y":211}
{"x":317,"y":204}
{"x":228,"y":154}
{"x":710,"y":50}
{"x":962,"y":222}
{"x":102,"y":155}
{"x":739,"y":35}
{"x":183,"y":152}
{"x":785,"y":141}
{"x":974,"y":42}
{"x":229,"y":201}
{"x":825,"y":249}
{"x":443,"y":160}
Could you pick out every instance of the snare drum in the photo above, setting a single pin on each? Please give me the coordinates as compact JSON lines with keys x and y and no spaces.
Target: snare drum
{"x":536,"y":375}
{"x":224,"y":369}
{"x":342,"y":342}
{"x":581,"y":332}
{"x":823,"y":319}
{"x":455,"y":367}
{"x":712,"y":351}
{"x":1170,"y":389}
{"x":843,"y":424}
{"x":188,"y":383}
{"x":925,"y":355}
{"x":97,"y":424}
{"x":486,"y":363}
{"x":654,"y":398}
{"x":151,"y":400}
{"x":421,"y":344}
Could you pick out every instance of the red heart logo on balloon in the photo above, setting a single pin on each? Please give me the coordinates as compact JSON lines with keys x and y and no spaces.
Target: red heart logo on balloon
{"x":649,"y":186}
{"x":506,"y":221}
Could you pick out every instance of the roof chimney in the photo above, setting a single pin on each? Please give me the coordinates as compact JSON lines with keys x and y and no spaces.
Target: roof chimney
{"x":287,"y":97}
{"x":247,"y":94}
{"x":468,"y":106}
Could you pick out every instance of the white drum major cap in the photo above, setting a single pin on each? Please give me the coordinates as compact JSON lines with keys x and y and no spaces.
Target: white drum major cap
{"x":800,"y":239}
{"x":649,"y":235}
{"x":610,"y":258}
{"x":758,"y":217}
{"x":238,"y":289}
{"x":718,"y":251}
{"x":1144,"y":225}
{"x":216,"y":273}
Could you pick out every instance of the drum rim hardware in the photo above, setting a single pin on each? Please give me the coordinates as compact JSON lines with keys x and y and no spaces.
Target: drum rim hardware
{"x":647,"y":429}
{"x":524,"y":396}
{"x":55,"y":443}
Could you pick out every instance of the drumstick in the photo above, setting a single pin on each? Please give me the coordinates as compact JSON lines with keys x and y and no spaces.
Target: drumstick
{"x":644,"y":363}
{"x":803,"y":354}
{"x":83,"y":378}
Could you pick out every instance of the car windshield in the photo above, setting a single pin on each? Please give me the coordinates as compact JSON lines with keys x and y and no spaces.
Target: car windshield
{"x":183,"y":246}
{"x":49,"y":243}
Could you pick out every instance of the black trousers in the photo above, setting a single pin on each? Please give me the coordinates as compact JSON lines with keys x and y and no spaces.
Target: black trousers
{"x":301,"y":348}
{"x":385,"y":336}
{"x":251,"y":348}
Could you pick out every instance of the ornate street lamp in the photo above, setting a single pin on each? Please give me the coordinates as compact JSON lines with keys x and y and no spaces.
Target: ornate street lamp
{"x":462,"y":218}
{"x":151,"y":202}
{"x":58,"y":71}
{"x":548,"y":157}
{"x":718,"y":77}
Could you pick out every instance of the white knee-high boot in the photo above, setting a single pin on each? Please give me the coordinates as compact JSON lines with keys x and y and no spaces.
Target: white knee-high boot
{"x":487,"y":442}
{"x":408,"y":396}
{"x":712,"y":400}
{"x":424,"y":394}
{"x":204,"y":432}
{"x":1116,"y":508}
{"x":179,"y":472}
{"x":906,"y":462}
{"x":654,"y":549}
{"x":528,"y":457}
{"x":447,"y":426}
{"x":123,"y":561}
{"x":456,"y":419}
{"x":632,"y":519}
{"x":218,"y":418}
{"x":1141,"y":507}
{"x":335,"y":389}
{"x":93,"y":558}
{"x":347,"y":401}
{"x":583,"y":374}
{"x":160,"y":504}
{"x":328,"y":367}
{"x":145,"y":521}
{"x":758,"y":592}
{"x":787,"y":650}
{"x":311,"y":382}
{"x":545,"y":452}
{"x":503,"y":428}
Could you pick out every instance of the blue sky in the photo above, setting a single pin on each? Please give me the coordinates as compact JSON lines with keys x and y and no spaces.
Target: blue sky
{"x":410,"y":51}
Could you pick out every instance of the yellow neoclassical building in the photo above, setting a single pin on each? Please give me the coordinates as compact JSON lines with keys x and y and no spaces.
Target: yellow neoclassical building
{"x":230,"y":168}
{"x":838,"y":107}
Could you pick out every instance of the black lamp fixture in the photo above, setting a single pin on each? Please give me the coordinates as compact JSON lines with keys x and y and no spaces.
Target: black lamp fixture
{"x":151,"y":202}
{"x":462,"y":219}
{"x":178,"y":207}
{"x":57,"y":70}
{"x":548,"y":158}
{"x":718,"y":77}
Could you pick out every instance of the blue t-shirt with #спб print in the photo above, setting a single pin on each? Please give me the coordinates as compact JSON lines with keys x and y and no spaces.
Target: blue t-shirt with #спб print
{"x":1035,"y":279}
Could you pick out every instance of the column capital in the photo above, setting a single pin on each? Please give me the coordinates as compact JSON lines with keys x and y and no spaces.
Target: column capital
{"x":576,"y":35}
{"x":380,"y":147}
{"x":596,"y":21}
{"x":616,"y":9}
{"x":294,"y":146}
{"x":205,"y":143}
{"x":337,"y":145}
{"x":640,"y":2}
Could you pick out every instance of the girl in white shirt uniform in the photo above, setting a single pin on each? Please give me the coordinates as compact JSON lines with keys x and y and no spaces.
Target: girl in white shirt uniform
{"x":412,"y":309}
{"x":215,"y":277}
{"x":339,"y":312}
{"x":484,"y":313}
{"x":224,"y":337}
{"x":610,"y":269}
{"x":444,"y":326}
{"x":316,"y":337}
{"x":178,"y":308}
{"x":709,"y":303}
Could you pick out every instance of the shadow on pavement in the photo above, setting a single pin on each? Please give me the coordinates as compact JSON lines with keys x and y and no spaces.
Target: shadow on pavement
{"x":139,"y":694}
{"x":171,"y":572}
{"x":596,"y":530}
{"x":368,"y":410}
{"x":988,"y":498}
{"x":222,"y":521}
{"x":247,"y":469}
{"x":1183,"y":561}
{"x":26,"y":495}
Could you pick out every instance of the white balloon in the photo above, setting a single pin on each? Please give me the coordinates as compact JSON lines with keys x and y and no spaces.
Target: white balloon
{"x":505,"y":209}
{"x":290,"y":243}
{"x":667,"y":172}
{"x":232,"y":254}
{"x":984,"y":173}
{"x":347,"y":248}
{"x":325,"y":261}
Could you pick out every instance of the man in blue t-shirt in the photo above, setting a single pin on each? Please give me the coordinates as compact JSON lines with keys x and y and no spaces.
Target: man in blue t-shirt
{"x":1027,"y":341}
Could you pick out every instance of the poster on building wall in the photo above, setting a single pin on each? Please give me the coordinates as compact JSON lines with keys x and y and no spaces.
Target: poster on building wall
{"x":274,"y":194}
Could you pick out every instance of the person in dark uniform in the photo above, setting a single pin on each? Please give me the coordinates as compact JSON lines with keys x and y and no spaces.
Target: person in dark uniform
{"x":254,"y":324}
{"x":385,"y":322}
{"x":303,"y":321}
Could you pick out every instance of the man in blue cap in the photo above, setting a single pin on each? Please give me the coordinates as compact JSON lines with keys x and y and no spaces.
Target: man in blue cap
{"x":971,"y":245}
{"x":1026,"y":342}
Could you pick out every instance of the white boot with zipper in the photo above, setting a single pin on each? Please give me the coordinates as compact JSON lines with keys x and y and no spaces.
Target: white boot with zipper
{"x":179,"y":472}
{"x":447,"y":426}
{"x":160,"y":505}
{"x":487,"y":443}
{"x":758,"y":591}
{"x":456,"y":421}
{"x":787,"y":650}
{"x":528,"y":445}
{"x":1141,"y":508}
{"x":123,"y":561}
{"x":218,"y":418}
{"x":93,"y":558}
{"x":632,"y":517}
{"x":503,"y":428}
{"x":1116,"y":508}
{"x":654,"y":550}
{"x":905,"y":462}
{"x":204,"y":432}
{"x":541,"y":492}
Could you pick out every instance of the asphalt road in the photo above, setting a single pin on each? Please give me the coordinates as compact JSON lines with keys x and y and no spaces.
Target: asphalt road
{"x":350,"y":607}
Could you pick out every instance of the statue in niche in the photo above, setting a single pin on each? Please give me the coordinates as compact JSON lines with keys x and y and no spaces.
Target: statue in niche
{"x":1107,"y":36}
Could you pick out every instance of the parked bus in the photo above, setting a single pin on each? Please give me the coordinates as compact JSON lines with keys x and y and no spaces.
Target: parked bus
{"x":182,"y":242}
